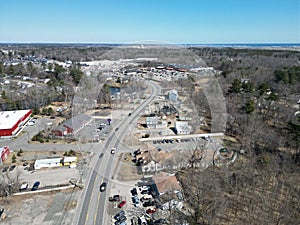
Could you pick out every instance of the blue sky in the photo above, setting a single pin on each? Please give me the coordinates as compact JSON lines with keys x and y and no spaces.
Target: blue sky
{"x":129,"y":21}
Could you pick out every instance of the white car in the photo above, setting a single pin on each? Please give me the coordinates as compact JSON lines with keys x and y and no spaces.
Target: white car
{"x":31,"y":123}
{"x":112,"y":151}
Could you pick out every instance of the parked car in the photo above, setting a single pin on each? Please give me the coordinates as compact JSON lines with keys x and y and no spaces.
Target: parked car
{"x":149,"y":211}
{"x":146,"y":198}
{"x":135,"y":200}
{"x":24,"y":186}
{"x":147,"y":188}
{"x":1,"y":211}
{"x":31,"y":123}
{"x":103,"y":187}
{"x":118,"y":215}
{"x":35,"y":186}
{"x":146,"y":204}
{"x":122,"y":218}
{"x":160,"y":221}
{"x":5,"y":168}
{"x":121,"y":204}
{"x":115,"y":198}
{"x":121,"y":222}
{"x":143,"y":192}
{"x":134,"y":192}
{"x":11,"y":168}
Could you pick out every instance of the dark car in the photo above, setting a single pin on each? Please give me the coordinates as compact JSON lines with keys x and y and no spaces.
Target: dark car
{"x":1,"y":211}
{"x":121,"y":220}
{"x":35,"y":186}
{"x":160,"y":221}
{"x":11,"y":168}
{"x":118,"y":215}
{"x":135,"y":200}
{"x":146,"y":204}
{"x":5,"y":169}
{"x":143,"y":192}
{"x":129,"y":114}
{"x":115,"y":198}
{"x":134,"y":192}
{"x":103,"y":187}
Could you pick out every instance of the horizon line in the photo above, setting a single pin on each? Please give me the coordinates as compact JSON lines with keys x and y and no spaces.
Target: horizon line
{"x":141,"y":43}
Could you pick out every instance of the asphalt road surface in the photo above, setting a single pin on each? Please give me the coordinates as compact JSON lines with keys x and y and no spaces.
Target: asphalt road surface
{"x":92,"y":209}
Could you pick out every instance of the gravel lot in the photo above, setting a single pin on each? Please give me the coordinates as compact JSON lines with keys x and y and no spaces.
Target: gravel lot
{"x":55,"y":207}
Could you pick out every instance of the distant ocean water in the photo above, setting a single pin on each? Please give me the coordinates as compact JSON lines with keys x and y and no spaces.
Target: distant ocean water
{"x":229,"y":45}
{"x":248,"y":45}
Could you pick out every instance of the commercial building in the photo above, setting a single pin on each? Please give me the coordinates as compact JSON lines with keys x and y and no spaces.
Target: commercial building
{"x":155,"y":123}
{"x":182,"y":127}
{"x":72,"y":125}
{"x":55,"y":162}
{"x":12,"y":122}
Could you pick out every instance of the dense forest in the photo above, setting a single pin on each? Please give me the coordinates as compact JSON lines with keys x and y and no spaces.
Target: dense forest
{"x":262,"y":88}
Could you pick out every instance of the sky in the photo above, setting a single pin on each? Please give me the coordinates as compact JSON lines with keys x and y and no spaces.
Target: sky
{"x":133,"y":21}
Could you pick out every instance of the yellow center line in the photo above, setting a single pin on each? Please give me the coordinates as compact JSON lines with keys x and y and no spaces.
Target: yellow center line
{"x":99,"y":194}
{"x":87,"y":214}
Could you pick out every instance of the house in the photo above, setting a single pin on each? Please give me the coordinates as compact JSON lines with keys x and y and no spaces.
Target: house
{"x":72,"y":125}
{"x":173,"y":95}
{"x":166,"y":183}
{"x":154,"y":123}
{"x":182,"y":127}
{"x":155,"y":161}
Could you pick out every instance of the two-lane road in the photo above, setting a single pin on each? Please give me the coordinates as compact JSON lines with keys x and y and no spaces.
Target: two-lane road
{"x":93,"y":207}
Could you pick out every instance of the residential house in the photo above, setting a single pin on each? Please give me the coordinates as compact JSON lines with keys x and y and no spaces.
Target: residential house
{"x":166,"y":183}
{"x":155,"y":161}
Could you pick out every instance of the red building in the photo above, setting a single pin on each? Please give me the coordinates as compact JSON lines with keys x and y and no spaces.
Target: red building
{"x":11,"y":122}
{"x":4,"y":153}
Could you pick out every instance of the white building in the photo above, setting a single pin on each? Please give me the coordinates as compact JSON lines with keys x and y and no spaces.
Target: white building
{"x":182,"y":127}
{"x":155,"y":123}
{"x":173,"y":95}
{"x":45,"y":163}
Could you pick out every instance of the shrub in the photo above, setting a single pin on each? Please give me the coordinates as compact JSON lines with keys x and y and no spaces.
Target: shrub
{"x":13,"y":159}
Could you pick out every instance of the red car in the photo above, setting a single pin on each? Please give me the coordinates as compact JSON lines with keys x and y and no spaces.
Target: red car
{"x":122,"y":203}
{"x":149,"y":211}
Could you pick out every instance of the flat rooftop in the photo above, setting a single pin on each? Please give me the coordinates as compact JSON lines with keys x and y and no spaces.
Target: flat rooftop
{"x":9,"y":118}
